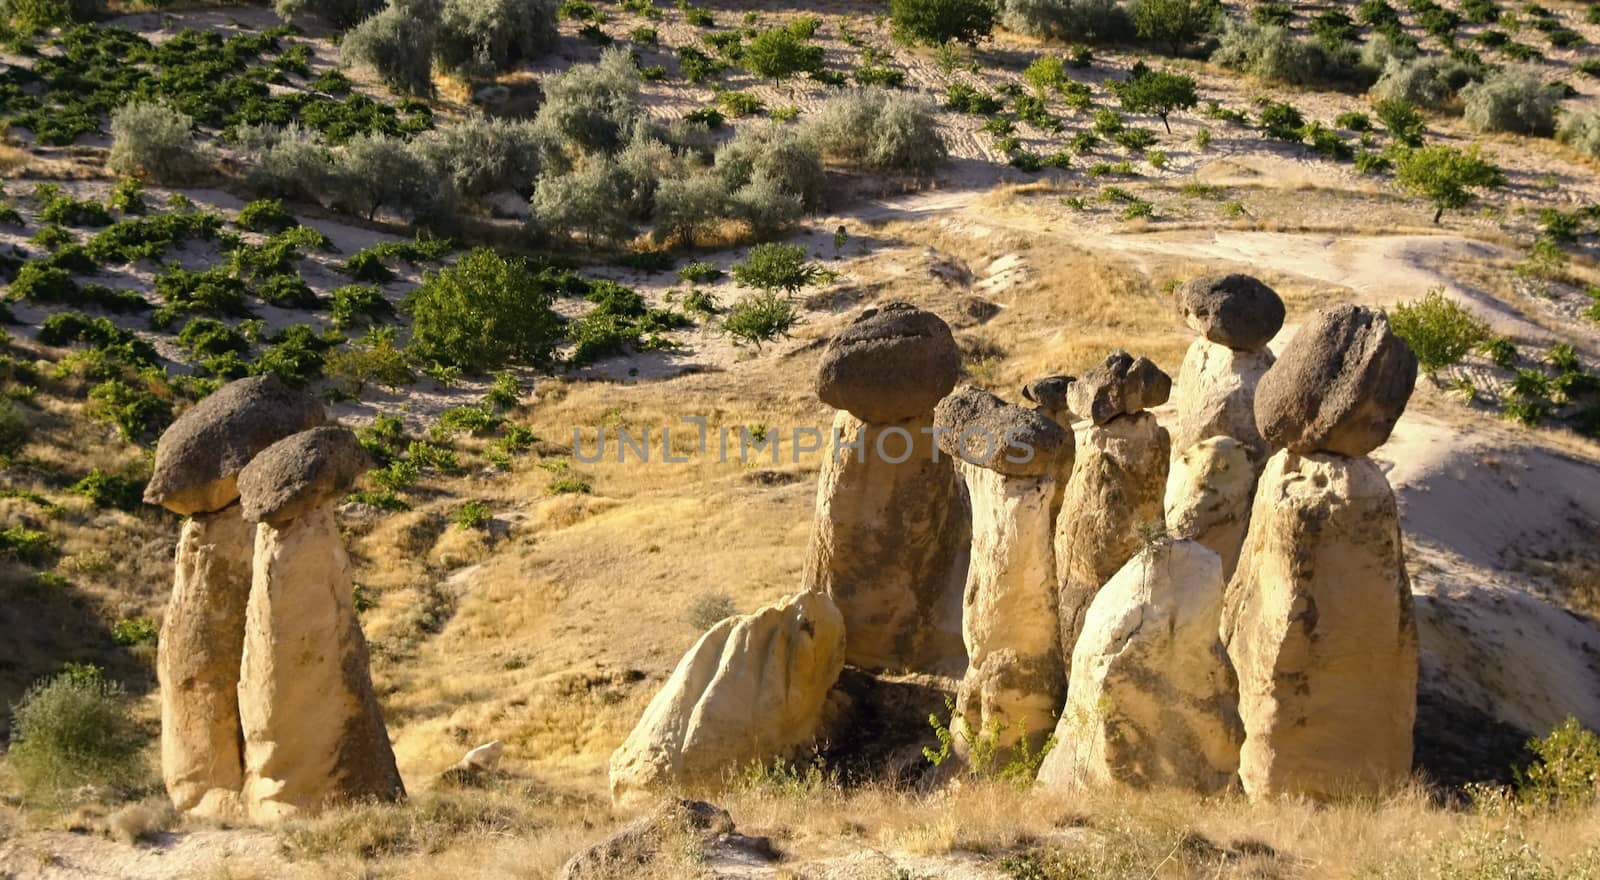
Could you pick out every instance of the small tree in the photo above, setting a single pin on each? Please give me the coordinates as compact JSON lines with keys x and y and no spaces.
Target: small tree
{"x":483,"y":313}
{"x":487,"y":36}
{"x":936,"y":22}
{"x":781,"y":52}
{"x":686,"y":207}
{"x":398,"y":46}
{"x":376,"y":171}
{"x":155,"y":141}
{"x":1176,"y":23}
{"x":1402,"y":120}
{"x":1159,"y":92}
{"x":1439,"y":330}
{"x":777,"y":267}
{"x":1446,"y":176}
{"x":72,"y":731}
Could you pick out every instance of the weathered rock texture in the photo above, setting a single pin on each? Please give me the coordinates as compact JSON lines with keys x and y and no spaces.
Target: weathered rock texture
{"x":892,"y":363}
{"x":202,"y":637}
{"x":1340,"y":386}
{"x":1319,"y":626}
{"x":1209,"y":493}
{"x":1121,"y":385}
{"x":1116,"y":489}
{"x":1216,"y":395}
{"x":1232,"y":310}
{"x":1152,"y":700}
{"x":752,"y":689}
{"x":889,"y":544}
{"x":1049,"y":394}
{"x":1014,"y":672}
{"x":313,"y":733}
{"x":201,"y":454}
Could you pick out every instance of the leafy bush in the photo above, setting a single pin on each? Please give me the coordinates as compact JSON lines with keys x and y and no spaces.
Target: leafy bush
{"x":1402,"y":120}
{"x":110,"y":490}
{"x":1439,"y":330}
{"x":594,"y":106}
{"x":1581,"y":131}
{"x":72,"y":731}
{"x":1174,"y":23}
{"x":482,"y":37}
{"x":353,"y":303}
{"x":1446,"y":176}
{"x":1515,"y":101}
{"x":133,"y":631}
{"x":378,"y":171}
{"x":1425,"y":82}
{"x":776,"y":154}
{"x":374,"y":358}
{"x":760,"y":318}
{"x":398,"y":45}
{"x":342,"y":14}
{"x":592,"y":200}
{"x":879,"y":129}
{"x":290,"y":162}
{"x":686,"y":207}
{"x":14,"y":428}
{"x":1090,"y":21}
{"x":265,"y":215}
{"x":936,"y":22}
{"x":700,"y":272}
{"x":709,"y":609}
{"x":1274,"y":54}
{"x":778,"y":267}
{"x":1565,"y":772}
{"x":1157,"y":91}
{"x":620,"y":320}
{"x":781,"y":52}
{"x":482,"y":156}
{"x":482,"y":313}
{"x":127,"y":196}
{"x":155,"y":141}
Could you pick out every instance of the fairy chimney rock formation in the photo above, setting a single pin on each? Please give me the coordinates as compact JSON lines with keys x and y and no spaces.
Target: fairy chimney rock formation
{"x":1209,"y":493}
{"x":890,"y":539}
{"x":1008,"y":457}
{"x":1236,"y":316}
{"x":1152,"y":701}
{"x":197,"y":463}
{"x":313,"y":733}
{"x":753,"y":688}
{"x":1116,"y":486}
{"x":1318,"y":618}
{"x":1048,"y":394}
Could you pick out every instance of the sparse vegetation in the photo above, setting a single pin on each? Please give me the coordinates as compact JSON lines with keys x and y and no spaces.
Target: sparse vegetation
{"x":1439,"y":330}
{"x":72,"y":731}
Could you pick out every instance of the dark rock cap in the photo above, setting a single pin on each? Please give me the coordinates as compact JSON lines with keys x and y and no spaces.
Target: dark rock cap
{"x":892,"y":363}
{"x":1121,"y":385}
{"x":1340,"y":385}
{"x":1233,"y":310}
{"x":1050,"y":392}
{"x":296,"y":474}
{"x":198,"y":458}
{"x":981,"y":429}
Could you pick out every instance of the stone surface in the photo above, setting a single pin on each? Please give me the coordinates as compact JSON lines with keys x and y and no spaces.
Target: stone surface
{"x":1237,"y":311}
{"x":1319,"y":625}
{"x":1116,"y":490}
{"x":197,"y":664}
{"x":893,"y":362}
{"x":199,"y":457}
{"x":313,"y":733}
{"x":1340,"y":385}
{"x":890,"y":543}
{"x":1209,"y":492}
{"x":753,"y":688}
{"x":1009,"y":624}
{"x":664,"y":841}
{"x":301,"y":473}
{"x":981,"y":429}
{"x":1152,"y":701}
{"x":1049,"y":394}
{"x":1216,"y":395}
{"x":1121,"y":385}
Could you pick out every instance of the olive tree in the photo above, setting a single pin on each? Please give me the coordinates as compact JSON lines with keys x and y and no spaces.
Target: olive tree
{"x":155,"y":141}
{"x":1175,"y":23}
{"x":936,"y":22}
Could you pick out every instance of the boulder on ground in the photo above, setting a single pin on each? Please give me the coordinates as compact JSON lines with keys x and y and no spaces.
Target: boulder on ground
{"x":1237,"y":311}
{"x":889,"y":545}
{"x":752,"y":689}
{"x":1152,"y":701}
{"x":197,"y":664}
{"x":979,"y":428}
{"x":313,"y":732}
{"x":892,"y":363}
{"x":1319,"y":625}
{"x":1216,"y":395}
{"x":698,"y":833}
{"x":1340,"y":386}
{"x":301,"y":473}
{"x":199,"y":457}
{"x":1115,"y":493}
{"x":1208,"y":497}
{"x":1121,"y":385}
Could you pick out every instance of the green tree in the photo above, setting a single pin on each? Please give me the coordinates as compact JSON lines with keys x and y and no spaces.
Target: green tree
{"x":482,"y":313}
{"x":1439,"y":330}
{"x":936,"y":22}
{"x":777,"y":267}
{"x":1159,"y":92}
{"x":1402,"y":120}
{"x":781,"y":52}
{"x":1176,"y":23}
{"x":1446,"y":176}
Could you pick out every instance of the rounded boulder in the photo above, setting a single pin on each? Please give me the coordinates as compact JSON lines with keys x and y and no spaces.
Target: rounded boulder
{"x":299,"y":473}
{"x":891,"y":363}
{"x":1233,"y":310}
{"x":983,"y":430}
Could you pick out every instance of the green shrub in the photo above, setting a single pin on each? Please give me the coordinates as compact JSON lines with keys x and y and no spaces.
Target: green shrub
{"x":709,"y":609}
{"x":780,"y":53}
{"x":1446,"y":176}
{"x":482,"y":313}
{"x":354,"y":303}
{"x":1580,"y":130}
{"x":155,"y":141}
{"x":778,"y":267}
{"x":133,"y":631}
{"x":127,"y":196}
{"x":1565,"y":772}
{"x":471,"y":515}
{"x":568,"y":485}
{"x":593,"y":106}
{"x":1092,"y":21}
{"x":377,"y":171}
{"x":878,"y":129}
{"x":136,"y":413}
{"x":759,"y":318}
{"x":620,"y":320}
{"x":484,"y":37}
{"x":591,"y":200}
{"x":1402,"y":120}
{"x":342,"y":14}
{"x":700,"y":272}
{"x":265,"y":215}
{"x":295,"y":355}
{"x":1274,"y":54}
{"x":936,"y":22}
{"x":1439,"y":330}
{"x":776,"y":154}
{"x":374,"y":358}
{"x":71,"y":732}
{"x":1515,"y":101}
{"x":483,"y":155}
{"x":110,"y":490}
{"x":1174,"y":24}
{"x":687,"y":207}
